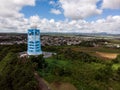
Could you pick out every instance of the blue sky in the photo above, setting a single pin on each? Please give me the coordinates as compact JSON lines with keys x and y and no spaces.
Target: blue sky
{"x":43,"y":7}
{"x":78,"y":16}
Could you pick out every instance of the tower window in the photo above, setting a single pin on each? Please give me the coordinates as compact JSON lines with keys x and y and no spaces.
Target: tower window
{"x":36,"y":33}
{"x":31,"y":33}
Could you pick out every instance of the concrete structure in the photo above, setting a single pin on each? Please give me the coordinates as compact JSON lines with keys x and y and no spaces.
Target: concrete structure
{"x":34,"y":43}
{"x":45,"y":54}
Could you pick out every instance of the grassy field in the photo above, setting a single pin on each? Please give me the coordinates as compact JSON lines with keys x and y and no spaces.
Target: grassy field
{"x":75,"y":73}
{"x":115,"y":66}
{"x":115,"y":41}
{"x":85,"y":72}
{"x":68,"y":82}
{"x":101,"y":52}
{"x":96,"y":49}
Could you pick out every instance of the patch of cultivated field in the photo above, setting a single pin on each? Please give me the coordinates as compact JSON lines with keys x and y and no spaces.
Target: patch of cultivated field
{"x":107,"y":55}
{"x":62,"y":86}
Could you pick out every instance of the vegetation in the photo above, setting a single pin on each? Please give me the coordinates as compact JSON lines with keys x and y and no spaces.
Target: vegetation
{"x":81,"y":69}
{"x":117,"y":60}
{"x":93,"y":42}
{"x":16,"y":73}
{"x":76,"y":66}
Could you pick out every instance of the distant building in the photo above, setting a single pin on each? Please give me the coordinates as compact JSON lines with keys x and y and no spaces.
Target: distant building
{"x":34,"y":43}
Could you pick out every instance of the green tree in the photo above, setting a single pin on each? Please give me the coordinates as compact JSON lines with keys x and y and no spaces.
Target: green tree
{"x":16,"y":74}
{"x":39,"y":61}
{"x":117,"y":60}
{"x":105,"y":73}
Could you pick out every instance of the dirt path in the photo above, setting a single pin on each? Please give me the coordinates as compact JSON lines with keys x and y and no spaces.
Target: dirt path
{"x":42,"y":84}
{"x":63,"y":86}
{"x":107,"y":55}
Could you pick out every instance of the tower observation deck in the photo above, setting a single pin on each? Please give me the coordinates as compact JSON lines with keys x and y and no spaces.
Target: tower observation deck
{"x":34,"y":43}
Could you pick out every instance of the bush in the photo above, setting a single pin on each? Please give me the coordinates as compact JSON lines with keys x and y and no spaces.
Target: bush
{"x":74,"y":55}
{"x":39,"y":61}
{"x":104,"y":74}
{"x":117,"y":60}
{"x":16,"y":75}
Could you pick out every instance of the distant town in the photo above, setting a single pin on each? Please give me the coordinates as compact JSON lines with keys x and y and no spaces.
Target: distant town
{"x":58,"y":40}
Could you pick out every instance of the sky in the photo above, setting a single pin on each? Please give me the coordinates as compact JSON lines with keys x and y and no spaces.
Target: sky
{"x":66,"y":16}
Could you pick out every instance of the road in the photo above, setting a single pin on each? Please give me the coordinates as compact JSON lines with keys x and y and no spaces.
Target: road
{"x":42,"y":84}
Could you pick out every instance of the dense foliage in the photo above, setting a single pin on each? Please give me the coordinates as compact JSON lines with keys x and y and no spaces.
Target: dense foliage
{"x":93,"y":42}
{"x":86,"y":72}
{"x":117,"y":60}
{"x":38,"y":62}
{"x":15,"y":73}
{"x":83,"y":70}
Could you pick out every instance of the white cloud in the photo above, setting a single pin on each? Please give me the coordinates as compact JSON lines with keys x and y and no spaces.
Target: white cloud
{"x":33,"y":21}
{"x":52,"y":3}
{"x":55,"y":11}
{"x":11,"y":8}
{"x":110,"y":25}
{"x":13,"y":25}
{"x":111,"y":4}
{"x":11,"y":20}
{"x":79,"y":9}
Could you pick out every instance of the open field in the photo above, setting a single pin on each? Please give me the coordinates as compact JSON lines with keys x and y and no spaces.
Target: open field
{"x":107,"y":55}
{"x":101,"y":52}
{"x":116,"y":41}
{"x":95,"y":49}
